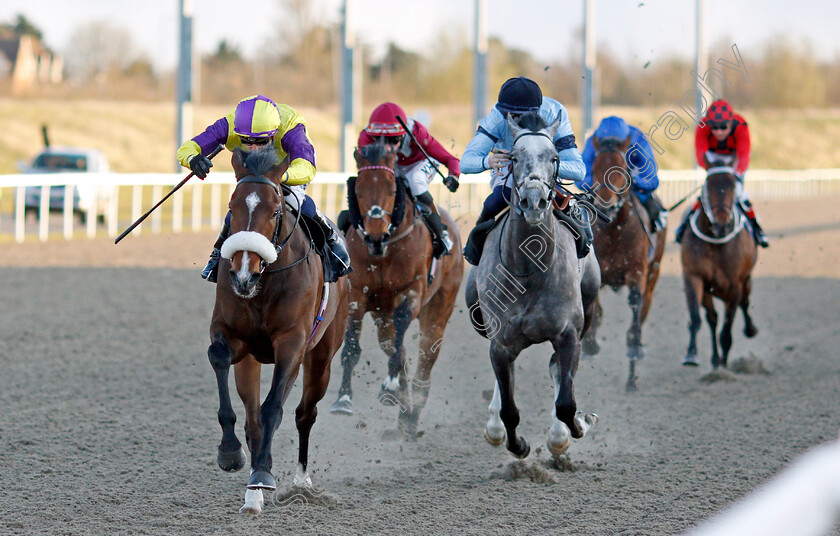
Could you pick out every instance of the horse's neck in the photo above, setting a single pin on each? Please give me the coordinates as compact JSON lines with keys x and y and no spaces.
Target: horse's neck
{"x":521,"y":241}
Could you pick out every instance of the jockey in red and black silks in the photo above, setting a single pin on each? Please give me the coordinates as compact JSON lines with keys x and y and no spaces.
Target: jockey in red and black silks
{"x":412,"y":164}
{"x":723,"y":137}
{"x":255,"y":122}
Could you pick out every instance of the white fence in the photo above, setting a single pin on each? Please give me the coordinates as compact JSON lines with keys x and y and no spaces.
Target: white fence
{"x":328,"y":192}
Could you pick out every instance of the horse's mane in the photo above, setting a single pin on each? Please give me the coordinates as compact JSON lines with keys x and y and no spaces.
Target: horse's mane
{"x":531,"y":121}
{"x":373,"y":152}
{"x":261,"y":160}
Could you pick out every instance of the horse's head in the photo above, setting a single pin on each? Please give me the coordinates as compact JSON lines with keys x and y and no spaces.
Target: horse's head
{"x":534,"y":164}
{"x":379,"y":195}
{"x":610,"y":176}
{"x":718,"y":199}
{"x":256,"y":216}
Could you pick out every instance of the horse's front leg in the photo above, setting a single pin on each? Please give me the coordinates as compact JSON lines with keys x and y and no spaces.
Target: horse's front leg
{"x":288,"y":354}
{"x":350,"y":354}
{"x":316,"y":378}
{"x":712,"y":318}
{"x":693,"y":294}
{"x":635,"y":350}
{"x":749,"y":328}
{"x":391,"y":340}
{"x":590,"y":346}
{"x":502,"y":359}
{"x":247,"y":374}
{"x":231,"y":457}
{"x":567,"y":420}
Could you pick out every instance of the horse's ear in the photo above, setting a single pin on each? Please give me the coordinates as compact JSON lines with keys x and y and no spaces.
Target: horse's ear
{"x":624,"y":145}
{"x":514,"y":127}
{"x":596,"y":144}
{"x":237,"y":160}
{"x":277,"y":173}
{"x":551,"y":129}
{"x":391,"y":160}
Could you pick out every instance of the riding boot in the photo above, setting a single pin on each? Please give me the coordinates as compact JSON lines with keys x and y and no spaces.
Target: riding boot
{"x":211,"y":271}
{"x":684,"y":223}
{"x":581,"y":215}
{"x":335,"y":243}
{"x":441,"y":243}
{"x":758,"y":232}
{"x":475,"y":242}
{"x":656,"y":212}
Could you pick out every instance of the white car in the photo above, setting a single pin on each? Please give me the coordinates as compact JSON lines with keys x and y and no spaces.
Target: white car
{"x":69,"y":160}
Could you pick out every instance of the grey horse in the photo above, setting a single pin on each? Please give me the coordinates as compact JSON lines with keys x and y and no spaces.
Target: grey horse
{"x":529,"y":288}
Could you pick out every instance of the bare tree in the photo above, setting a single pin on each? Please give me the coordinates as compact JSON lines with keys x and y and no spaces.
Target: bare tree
{"x":99,"y":49}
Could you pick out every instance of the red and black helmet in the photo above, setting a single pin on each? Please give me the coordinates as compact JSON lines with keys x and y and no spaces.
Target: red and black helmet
{"x":383,"y":120}
{"x":720,"y":112}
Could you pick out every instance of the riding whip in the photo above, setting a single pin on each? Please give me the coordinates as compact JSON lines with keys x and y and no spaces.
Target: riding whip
{"x":167,"y":196}
{"x":681,"y":201}
{"x":417,"y":143}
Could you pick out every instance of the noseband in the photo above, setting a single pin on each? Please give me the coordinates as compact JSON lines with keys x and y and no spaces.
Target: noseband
{"x":278,"y":217}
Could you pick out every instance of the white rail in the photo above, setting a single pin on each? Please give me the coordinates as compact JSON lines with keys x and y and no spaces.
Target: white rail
{"x":328,"y":192}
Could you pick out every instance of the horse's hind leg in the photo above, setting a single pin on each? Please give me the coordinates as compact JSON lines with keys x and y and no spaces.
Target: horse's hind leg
{"x":693,"y":295}
{"x":316,"y":378}
{"x":592,"y":320}
{"x":749,"y":328}
{"x":433,"y":318}
{"x":350,"y":354}
{"x":231,"y":457}
{"x":712,"y":318}
{"x":502,"y":360}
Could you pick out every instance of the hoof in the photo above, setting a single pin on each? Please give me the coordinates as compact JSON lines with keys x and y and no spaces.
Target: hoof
{"x":262,"y":480}
{"x":253,"y":502}
{"x":250,"y":510}
{"x":589,"y":348}
{"x":342,"y":406}
{"x":556,"y":449}
{"x":631,"y":386}
{"x":750,"y":331}
{"x":690,"y":360}
{"x":495,"y":441}
{"x":231,"y":461}
{"x":524,"y":450}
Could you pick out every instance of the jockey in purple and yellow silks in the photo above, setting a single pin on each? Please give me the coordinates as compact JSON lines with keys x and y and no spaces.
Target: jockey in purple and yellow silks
{"x":257,"y":121}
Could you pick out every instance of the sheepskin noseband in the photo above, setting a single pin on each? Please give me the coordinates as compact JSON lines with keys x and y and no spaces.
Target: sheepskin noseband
{"x":249,"y":241}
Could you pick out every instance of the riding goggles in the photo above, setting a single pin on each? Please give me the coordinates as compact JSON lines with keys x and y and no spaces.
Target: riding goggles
{"x":718,"y":126}
{"x":247,"y":140}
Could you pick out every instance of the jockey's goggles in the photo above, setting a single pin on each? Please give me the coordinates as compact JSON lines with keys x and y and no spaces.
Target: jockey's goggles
{"x":719,"y":126}
{"x":247,"y":140}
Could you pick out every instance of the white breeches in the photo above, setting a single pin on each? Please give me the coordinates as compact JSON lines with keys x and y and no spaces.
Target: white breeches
{"x":418,"y":175}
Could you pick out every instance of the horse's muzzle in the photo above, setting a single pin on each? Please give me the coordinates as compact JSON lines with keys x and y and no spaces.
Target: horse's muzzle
{"x":377,"y":247}
{"x":247,"y":288}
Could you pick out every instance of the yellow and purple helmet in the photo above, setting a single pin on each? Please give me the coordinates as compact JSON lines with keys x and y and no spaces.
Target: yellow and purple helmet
{"x":256,"y":117}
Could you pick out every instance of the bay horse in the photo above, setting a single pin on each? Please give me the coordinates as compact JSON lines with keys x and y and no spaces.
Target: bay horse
{"x":628,"y":254}
{"x":272,"y":308}
{"x":396,"y":279}
{"x":718,"y":257}
{"x":530,"y":287}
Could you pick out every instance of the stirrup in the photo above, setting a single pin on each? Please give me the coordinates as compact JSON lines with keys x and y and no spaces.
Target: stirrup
{"x":211,"y":270}
{"x":447,"y":242}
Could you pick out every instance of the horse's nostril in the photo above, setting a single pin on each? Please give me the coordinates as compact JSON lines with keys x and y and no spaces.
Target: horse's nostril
{"x":525,"y":203}
{"x":542,"y":204}
{"x":386,"y":237}
{"x":253,"y":279}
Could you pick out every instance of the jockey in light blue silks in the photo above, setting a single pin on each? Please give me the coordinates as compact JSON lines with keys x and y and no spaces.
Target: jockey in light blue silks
{"x":490,"y":149}
{"x":640,"y":161}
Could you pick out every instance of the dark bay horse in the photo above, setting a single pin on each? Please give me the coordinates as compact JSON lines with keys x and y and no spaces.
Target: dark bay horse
{"x":273,"y":308}
{"x":629,"y":256}
{"x":396,"y":279}
{"x":718,"y":256}
{"x":529,"y":288}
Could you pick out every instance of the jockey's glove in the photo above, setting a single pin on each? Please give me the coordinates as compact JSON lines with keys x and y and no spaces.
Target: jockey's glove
{"x":200,"y":165}
{"x":451,"y":183}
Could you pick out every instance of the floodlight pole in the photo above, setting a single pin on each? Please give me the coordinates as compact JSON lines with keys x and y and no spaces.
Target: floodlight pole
{"x":184,"y":96}
{"x":351,"y":86}
{"x":480,"y":61}
{"x":589,"y":63}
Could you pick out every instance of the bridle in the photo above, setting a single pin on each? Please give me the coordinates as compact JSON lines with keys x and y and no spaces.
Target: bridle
{"x":737,"y":222}
{"x":278,"y":216}
{"x":610,"y":147}
{"x":376,"y":212}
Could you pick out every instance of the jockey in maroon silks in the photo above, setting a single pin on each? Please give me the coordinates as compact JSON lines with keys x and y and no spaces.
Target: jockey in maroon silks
{"x":412,"y":164}
{"x":723,"y":136}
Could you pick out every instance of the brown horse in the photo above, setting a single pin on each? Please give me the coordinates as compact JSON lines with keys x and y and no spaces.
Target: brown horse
{"x":396,"y":279}
{"x":629,"y":256}
{"x":718,"y":256}
{"x":273,"y":308}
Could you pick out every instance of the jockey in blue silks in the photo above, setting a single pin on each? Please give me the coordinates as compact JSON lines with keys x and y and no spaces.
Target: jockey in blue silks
{"x":490,"y":149}
{"x":640,"y":161}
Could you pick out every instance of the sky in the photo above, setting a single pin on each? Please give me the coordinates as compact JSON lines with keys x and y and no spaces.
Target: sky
{"x":637,"y":31}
